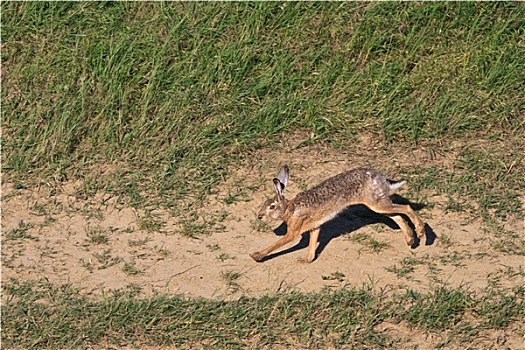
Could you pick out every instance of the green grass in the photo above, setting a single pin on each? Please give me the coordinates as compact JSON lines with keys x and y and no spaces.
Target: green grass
{"x":61,"y":318}
{"x":166,"y":95}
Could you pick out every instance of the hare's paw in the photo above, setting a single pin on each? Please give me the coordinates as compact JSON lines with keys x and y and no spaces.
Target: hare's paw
{"x":257,"y":256}
{"x":420,"y":231}
{"x":420,"y":228}
{"x":305,"y":261}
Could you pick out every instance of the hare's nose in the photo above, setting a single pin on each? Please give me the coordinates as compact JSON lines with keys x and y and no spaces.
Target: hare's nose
{"x":260,"y":216}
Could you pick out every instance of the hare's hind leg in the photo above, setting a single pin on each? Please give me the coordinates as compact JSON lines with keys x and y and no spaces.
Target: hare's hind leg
{"x":386,"y":206}
{"x":403,"y":225}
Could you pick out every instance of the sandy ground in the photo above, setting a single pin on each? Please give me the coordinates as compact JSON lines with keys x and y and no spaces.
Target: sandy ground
{"x":98,"y":245}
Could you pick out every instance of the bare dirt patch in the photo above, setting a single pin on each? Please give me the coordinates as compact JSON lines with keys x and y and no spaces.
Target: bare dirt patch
{"x":98,"y":244}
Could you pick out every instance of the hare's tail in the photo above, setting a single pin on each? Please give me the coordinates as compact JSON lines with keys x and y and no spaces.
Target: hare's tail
{"x":394,"y":185}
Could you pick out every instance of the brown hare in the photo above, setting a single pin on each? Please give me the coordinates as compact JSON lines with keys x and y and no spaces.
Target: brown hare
{"x":312,"y":208}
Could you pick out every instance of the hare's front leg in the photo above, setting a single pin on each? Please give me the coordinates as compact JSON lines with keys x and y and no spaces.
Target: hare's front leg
{"x":312,"y":246}
{"x":293,"y":231}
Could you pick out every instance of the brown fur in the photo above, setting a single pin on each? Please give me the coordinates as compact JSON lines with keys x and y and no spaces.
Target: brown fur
{"x":312,"y":208}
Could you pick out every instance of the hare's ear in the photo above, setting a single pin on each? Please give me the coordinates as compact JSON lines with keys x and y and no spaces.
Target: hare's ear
{"x":283,"y":176}
{"x":278,"y":189}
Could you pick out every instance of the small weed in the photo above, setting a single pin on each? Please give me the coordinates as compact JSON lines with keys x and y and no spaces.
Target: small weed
{"x":91,"y":212}
{"x":48,"y":220}
{"x":48,"y":250}
{"x":407,"y":267}
{"x":161,"y":252}
{"x":192,"y":229}
{"x":434,"y":271}
{"x":380,"y":228}
{"x":454,"y":205}
{"x":88,"y":265}
{"x":239,"y":196}
{"x":454,"y":259}
{"x":20,"y":232}
{"x":149,"y":222}
{"x":260,"y":225}
{"x":39,"y":209}
{"x":402,"y":271}
{"x":507,"y":272}
{"x":97,"y":235}
{"x":224,"y":256}
{"x":105,"y":259}
{"x":509,"y":247}
{"x":196,"y":224}
{"x":131,"y":291}
{"x":131,"y":269}
{"x":215,"y":220}
{"x":334,"y":276}
{"x":369,"y":242}
{"x":138,"y":242}
{"x":19,"y":185}
{"x":505,"y":241}
{"x":360,"y":238}
{"x":231,"y":278}
{"x":377,"y":246}
{"x":213,"y":247}
{"x":8,"y":259}
{"x":445,"y":240}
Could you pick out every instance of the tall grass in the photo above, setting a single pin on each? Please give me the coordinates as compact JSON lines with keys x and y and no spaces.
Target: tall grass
{"x":170,"y":93}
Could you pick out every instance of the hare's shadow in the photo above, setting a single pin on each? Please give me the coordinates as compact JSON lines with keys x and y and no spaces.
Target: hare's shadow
{"x":352,"y":219}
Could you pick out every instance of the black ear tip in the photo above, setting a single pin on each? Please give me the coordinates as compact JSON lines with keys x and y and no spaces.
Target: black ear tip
{"x":276,"y":181}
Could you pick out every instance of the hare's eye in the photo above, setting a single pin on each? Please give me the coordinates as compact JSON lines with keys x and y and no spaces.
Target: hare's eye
{"x":272,"y":206}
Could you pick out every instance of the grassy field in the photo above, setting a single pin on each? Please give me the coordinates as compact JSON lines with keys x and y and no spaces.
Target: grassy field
{"x":41,"y":315}
{"x":153,"y":102}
